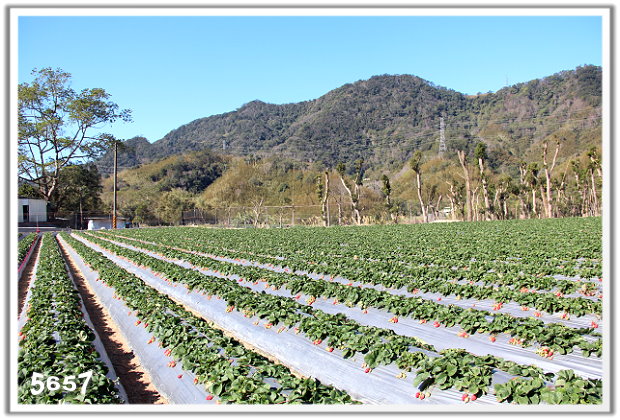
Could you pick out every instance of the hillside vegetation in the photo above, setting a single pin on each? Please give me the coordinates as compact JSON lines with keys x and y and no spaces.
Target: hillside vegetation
{"x":368,"y":153}
{"x":383,"y":120}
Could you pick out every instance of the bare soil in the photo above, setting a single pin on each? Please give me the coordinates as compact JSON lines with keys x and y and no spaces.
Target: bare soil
{"x":135,"y":380}
{"x":23,"y":283}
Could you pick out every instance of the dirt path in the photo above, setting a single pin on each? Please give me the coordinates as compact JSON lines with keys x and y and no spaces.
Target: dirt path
{"x":23,"y":283}
{"x":135,"y":380}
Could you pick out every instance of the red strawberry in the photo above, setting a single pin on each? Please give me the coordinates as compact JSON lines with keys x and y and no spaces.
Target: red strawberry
{"x":474,"y":397}
{"x":195,"y":381}
{"x":367,"y":370}
{"x":209,"y":397}
{"x":492,"y":339}
{"x":180,"y":376}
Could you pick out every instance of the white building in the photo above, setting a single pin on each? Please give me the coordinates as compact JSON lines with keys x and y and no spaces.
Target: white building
{"x":96,"y":223}
{"x":32,"y":210}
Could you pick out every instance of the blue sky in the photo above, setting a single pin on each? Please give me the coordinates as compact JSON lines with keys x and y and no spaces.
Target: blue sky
{"x":172,"y":70}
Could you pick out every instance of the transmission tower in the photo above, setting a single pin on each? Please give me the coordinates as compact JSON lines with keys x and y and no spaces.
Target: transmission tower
{"x":442,"y":136}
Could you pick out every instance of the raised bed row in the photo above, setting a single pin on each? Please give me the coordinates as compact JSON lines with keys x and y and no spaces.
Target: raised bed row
{"x":58,"y":359}
{"x":474,"y":374}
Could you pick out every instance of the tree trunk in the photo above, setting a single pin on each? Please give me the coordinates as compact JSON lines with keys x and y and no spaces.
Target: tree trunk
{"x":461,"y":156}
{"x":324,"y":207}
{"x":358,"y":216}
{"x":353,"y":202}
{"x":424,"y":212}
{"x":595,"y":209}
{"x":543,"y":200}
{"x":548,"y":173}
{"x":485,"y":191}
{"x":524,"y":211}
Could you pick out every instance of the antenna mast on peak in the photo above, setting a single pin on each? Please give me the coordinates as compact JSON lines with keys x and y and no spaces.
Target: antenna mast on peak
{"x":442,"y":137}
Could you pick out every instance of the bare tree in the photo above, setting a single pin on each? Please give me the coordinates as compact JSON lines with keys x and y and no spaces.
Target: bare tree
{"x":341,"y":168}
{"x":531,"y":179}
{"x":463,"y":162}
{"x":548,"y":172}
{"x":415,"y":163}
{"x":481,"y":154}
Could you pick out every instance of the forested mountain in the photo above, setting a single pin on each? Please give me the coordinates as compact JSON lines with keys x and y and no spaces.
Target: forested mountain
{"x":383,"y":120}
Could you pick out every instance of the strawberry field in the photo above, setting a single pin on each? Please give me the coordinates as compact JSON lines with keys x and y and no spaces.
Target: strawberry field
{"x":488,"y":313}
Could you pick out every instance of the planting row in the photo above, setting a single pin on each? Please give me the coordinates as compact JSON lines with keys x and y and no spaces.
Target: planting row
{"x":568,"y":247}
{"x":220,"y":364}
{"x":447,"y":369}
{"x":524,"y":331}
{"x":24,"y":246}
{"x":465,"y":281}
{"x":57,"y":359}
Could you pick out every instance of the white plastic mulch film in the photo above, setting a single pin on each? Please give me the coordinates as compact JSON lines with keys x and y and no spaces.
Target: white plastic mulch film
{"x":381,"y":386}
{"x":441,"y":338}
{"x":176,"y":390}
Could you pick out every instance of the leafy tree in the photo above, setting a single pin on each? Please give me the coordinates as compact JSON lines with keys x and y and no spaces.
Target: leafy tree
{"x":27,"y":190}
{"x":79,"y":189}
{"x":55,"y":125}
{"x":172,"y":204}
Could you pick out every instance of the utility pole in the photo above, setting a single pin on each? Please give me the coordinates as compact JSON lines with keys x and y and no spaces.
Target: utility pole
{"x":115,"y":173}
{"x":442,"y":137}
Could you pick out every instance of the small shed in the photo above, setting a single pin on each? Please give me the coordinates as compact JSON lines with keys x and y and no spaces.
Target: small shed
{"x":96,"y":223}
{"x":32,"y":210}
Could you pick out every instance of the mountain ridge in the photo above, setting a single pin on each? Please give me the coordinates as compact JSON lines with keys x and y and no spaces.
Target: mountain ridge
{"x":385,"y":118}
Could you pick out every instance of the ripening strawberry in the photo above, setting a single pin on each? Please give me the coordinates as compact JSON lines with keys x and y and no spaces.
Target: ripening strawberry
{"x":195,"y":381}
{"x":492,"y":339}
{"x":422,"y":396}
{"x":594,"y":324}
{"x":138,"y":322}
{"x":464,"y":396}
{"x":330,"y":349}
